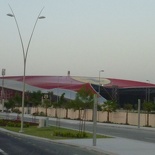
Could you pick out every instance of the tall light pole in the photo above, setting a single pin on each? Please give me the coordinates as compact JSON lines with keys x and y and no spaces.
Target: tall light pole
{"x":70,"y":83}
{"x":96,"y":102}
{"x":99,"y":81}
{"x":2,"y":91}
{"x":25,"y":53}
{"x":148,"y":98}
{"x":99,"y":90}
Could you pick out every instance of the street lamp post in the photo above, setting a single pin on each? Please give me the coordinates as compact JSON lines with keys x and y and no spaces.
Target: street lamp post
{"x":96,"y":102}
{"x":99,"y":81}
{"x":148,"y":98}
{"x":99,"y":90}
{"x":2,"y":91}
{"x":25,"y":53}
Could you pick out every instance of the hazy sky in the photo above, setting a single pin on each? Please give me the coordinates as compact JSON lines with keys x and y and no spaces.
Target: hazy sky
{"x":83,"y":36}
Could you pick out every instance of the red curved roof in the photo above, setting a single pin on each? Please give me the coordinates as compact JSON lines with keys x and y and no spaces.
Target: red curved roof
{"x":75,"y":82}
{"x":129,"y":84}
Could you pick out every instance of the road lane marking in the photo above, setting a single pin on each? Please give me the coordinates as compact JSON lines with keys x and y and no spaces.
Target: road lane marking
{"x":115,"y":133}
{"x":149,"y":138}
{"x":4,"y":153}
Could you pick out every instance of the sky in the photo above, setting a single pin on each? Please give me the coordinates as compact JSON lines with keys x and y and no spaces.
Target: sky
{"x":80,"y":36}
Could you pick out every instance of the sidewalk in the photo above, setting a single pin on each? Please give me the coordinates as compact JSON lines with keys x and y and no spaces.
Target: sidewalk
{"x":116,"y":146}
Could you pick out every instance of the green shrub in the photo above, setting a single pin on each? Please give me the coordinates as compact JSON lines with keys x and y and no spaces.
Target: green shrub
{"x":42,"y":113}
{"x":147,"y":126}
{"x":10,"y":124}
{"x":82,"y":135}
{"x":16,"y":111}
{"x":16,"y":123}
{"x":26,"y":125}
{"x":35,"y":114}
{"x":70,"y":134}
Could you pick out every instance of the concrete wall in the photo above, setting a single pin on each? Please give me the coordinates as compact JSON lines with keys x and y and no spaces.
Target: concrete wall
{"x":115,"y":117}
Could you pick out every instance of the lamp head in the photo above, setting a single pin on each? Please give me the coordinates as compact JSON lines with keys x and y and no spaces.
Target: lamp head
{"x":41,"y":17}
{"x":10,"y":15}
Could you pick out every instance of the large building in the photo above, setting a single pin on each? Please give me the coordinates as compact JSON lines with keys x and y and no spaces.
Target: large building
{"x":121,"y":91}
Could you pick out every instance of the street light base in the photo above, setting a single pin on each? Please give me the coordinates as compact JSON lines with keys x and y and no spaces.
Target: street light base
{"x":21,"y":131}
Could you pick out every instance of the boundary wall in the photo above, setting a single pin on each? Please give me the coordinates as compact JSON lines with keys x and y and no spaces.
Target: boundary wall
{"x":115,"y":117}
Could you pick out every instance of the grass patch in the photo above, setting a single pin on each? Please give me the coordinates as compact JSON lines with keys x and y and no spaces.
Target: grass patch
{"x":53,"y":132}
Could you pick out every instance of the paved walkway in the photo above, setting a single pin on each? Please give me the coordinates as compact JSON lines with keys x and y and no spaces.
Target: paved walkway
{"x":117,"y":146}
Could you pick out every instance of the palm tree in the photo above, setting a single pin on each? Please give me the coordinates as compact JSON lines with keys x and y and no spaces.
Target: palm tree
{"x":67,"y":105}
{"x":46,"y":105}
{"x":127,"y":107}
{"x":64,"y":103}
{"x":77,"y":105}
{"x":59,"y":104}
{"x":109,"y":106}
{"x":148,"y":107}
{"x":55,"y":105}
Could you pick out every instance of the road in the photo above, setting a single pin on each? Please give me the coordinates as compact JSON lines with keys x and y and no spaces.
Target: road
{"x":128,"y":132}
{"x":11,"y":144}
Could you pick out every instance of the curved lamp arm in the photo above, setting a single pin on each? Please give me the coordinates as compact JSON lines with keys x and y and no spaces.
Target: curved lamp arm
{"x":13,"y":15}
{"x":38,"y":17}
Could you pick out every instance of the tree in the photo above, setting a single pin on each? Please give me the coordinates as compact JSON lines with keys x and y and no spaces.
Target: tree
{"x":13,"y":102}
{"x":46,"y":104}
{"x":84,"y":100}
{"x":10,"y":104}
{"x":77,"y":105}
{"x":59,"y":104}
{"x":34,"y":98}
{"x":55,"y":105}
{"x":109,"y":106}
{"x":64,"y":103}
{"x":61,"y":100}
{"x":127,"y":107}
{"x":67,"y":105}
{"x":17,"y":99}
{"x":148,"y":107}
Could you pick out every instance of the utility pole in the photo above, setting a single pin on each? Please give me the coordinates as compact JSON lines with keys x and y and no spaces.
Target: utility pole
{"x":2,"y":91}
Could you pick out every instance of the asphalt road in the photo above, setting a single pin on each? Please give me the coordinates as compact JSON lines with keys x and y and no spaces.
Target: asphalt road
{"x":141,"y":134}
{"x":13,"y":144}
{"x":114,"y":130}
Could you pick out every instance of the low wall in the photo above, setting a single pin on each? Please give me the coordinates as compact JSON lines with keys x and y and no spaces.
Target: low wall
{"x":115,"y":117}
